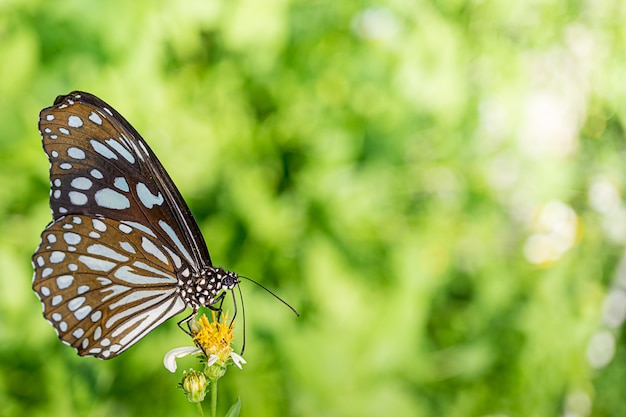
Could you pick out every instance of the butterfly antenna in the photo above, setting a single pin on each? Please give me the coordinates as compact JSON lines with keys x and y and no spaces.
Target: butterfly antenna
{"x":243,"y":313}
{"x":275,"y":296}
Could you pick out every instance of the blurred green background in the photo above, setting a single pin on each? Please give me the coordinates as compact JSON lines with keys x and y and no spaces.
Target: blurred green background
{"x":435,"y":185}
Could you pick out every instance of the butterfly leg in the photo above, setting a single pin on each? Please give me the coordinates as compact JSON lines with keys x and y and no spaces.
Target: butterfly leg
{"x":188,"y":321}
{"x":219,"y":310}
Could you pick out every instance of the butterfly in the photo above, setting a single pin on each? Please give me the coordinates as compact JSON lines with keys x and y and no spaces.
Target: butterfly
{"x":123,"y":253}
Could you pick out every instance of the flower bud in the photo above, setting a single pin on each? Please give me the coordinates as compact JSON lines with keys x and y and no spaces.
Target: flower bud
{"x":194,"y":385}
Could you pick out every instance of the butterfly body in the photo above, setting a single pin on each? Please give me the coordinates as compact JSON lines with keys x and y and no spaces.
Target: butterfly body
{"x":123,"y":253}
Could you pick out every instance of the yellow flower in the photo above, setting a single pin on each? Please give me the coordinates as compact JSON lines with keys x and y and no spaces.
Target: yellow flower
{"x":212,"y":339}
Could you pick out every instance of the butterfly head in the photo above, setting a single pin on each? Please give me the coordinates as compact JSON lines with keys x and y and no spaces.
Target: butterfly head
{"x":229,"y":279}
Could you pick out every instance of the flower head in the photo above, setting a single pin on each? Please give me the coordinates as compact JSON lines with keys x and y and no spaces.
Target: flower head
{"x":213,"y":339}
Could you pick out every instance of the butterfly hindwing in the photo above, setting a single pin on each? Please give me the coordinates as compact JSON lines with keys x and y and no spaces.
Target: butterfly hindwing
{"x":104,"y":284}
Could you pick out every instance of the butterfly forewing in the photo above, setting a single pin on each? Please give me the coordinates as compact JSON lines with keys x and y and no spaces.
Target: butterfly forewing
{"x":100,"y":165}
{"x":104,"y":284}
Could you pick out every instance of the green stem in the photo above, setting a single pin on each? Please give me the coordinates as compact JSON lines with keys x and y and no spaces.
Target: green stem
{"x":213,"y":389}
{"x":200,"y":410}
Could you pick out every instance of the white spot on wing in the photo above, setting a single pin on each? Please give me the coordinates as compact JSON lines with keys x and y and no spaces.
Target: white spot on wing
{"x":121,"y":184}
{"x":56,"y":257}
{"x":124,"y":228}
{"x":113,"y":291}
{"x":145,"y":151}
{"x":75,"y":303}
{"x":71,"y":238}
{"x":102,"y":149}
{"x":75,"y":153}
{"x":96,"y":264}
{"x":151,"y":248}
{"x":109,"y":198}
{"x":96,"y":316}
{"x":103,"y":281}
{"x":64,"y":281}
{"x":105,"y":251}
{"x":174,"y":237}
{"x":77,"y":198}
{"x":128,"y":274}
{"x":95,"y":118}
{"x":99,"y":225}
{"x":74,"y":121}
{"x":96,"y":174}
{"x":127,"y":247}
{"x":176,"y":258}
{"x":141,"y":227}
{"x":56,"y":300}
{"x":147,"y":198}
{"x":137,"y":151}
{"x":81,"y":183}
{"x":82,"y":312}
{"x":121,"y":150}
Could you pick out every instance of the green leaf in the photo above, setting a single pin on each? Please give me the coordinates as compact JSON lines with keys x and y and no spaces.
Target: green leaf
{"x":233,"y":411}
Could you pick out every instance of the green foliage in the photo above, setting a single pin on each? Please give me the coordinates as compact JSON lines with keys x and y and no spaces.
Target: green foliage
{"x":234,"y":409}
{"x":436,"y":186}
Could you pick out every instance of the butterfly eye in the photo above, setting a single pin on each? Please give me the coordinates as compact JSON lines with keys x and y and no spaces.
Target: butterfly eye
{"x":230,"y":280}
{"x":123,"y":253}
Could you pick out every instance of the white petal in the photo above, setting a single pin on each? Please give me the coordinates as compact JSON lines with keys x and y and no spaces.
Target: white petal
{"x":212,"y":359}
{"x":237,"y":359}
{"x":170,"y":357}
